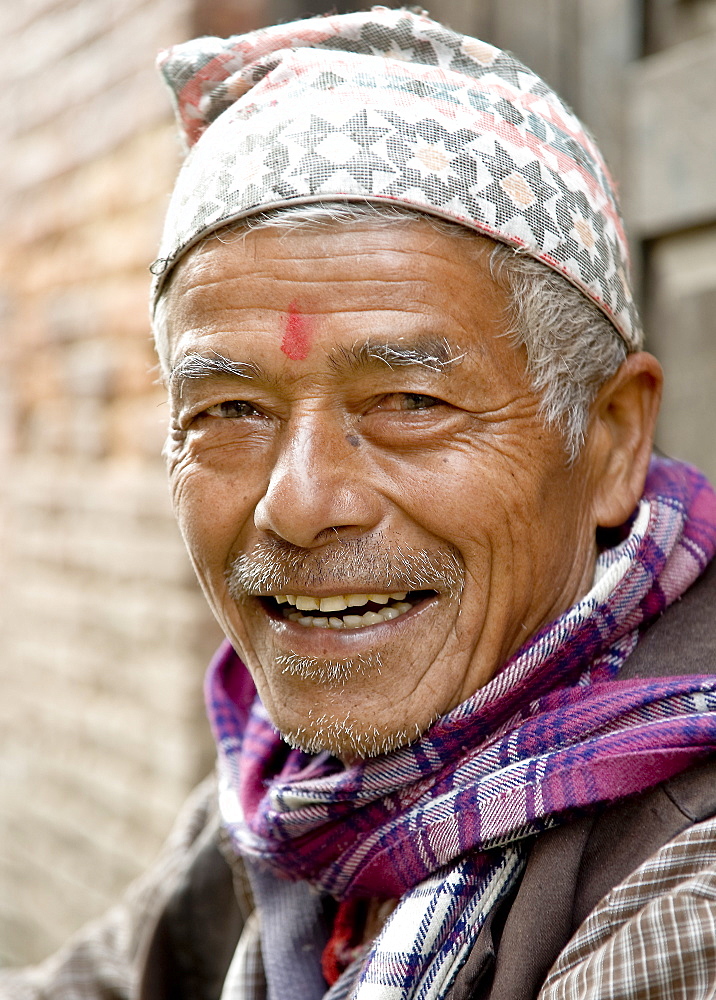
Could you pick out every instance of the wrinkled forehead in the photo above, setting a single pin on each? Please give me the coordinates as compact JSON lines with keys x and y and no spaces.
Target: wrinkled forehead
{"x":293,"y":234}
{"x":336,"y":287}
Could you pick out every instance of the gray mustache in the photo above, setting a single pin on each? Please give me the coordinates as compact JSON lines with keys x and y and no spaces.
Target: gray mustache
{"x":275,"y":566}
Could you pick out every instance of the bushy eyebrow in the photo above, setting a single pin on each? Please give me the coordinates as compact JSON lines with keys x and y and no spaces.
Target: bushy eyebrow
{"x":435,"y":354}
{"x":212,"y":366}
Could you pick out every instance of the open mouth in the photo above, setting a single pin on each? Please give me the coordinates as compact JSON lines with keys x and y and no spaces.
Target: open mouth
{"x":344,"y":611}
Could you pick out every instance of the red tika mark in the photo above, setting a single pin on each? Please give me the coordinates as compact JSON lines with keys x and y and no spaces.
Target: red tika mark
{"x":296,"y":341}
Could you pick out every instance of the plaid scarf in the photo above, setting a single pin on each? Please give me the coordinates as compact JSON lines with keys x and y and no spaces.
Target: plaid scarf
{"x":442,"y":823}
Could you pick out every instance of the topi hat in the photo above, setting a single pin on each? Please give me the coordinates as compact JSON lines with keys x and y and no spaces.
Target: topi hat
{"x":390,"y":106}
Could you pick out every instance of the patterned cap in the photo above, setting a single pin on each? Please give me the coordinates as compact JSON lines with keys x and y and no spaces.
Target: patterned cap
{"x":390,"y":106}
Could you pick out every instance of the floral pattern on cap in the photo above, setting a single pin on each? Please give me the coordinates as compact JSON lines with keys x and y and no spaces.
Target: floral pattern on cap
{"x":390,"y":106}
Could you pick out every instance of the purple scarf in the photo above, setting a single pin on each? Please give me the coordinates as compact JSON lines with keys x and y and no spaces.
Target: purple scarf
{"x":554,"y":731}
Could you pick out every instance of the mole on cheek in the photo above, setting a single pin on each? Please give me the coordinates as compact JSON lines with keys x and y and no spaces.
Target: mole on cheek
{"x":296,"y":342}
{"x":353,"y":440}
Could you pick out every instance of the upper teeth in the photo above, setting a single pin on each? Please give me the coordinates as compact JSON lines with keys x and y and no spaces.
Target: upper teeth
{"x":337,"y":603}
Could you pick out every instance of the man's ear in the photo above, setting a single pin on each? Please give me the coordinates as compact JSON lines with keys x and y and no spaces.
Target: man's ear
{"x":620,"y":437}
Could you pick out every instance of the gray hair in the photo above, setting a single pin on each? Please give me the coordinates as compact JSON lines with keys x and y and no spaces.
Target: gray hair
{"x":572,"y":347}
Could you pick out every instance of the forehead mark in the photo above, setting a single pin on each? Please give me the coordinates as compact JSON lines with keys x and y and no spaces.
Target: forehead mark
{"x":296,"y":342}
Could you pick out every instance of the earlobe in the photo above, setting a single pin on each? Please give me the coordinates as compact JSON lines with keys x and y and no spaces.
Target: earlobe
{"x":621,"y":436}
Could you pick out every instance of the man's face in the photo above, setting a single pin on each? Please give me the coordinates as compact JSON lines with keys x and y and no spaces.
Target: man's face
{"x":376,"y":512}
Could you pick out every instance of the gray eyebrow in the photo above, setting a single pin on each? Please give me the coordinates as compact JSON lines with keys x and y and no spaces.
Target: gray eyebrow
{"x":435,"y":354}
{"x":214,"y":365}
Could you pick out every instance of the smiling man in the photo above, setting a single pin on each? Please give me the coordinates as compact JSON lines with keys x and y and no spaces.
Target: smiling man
{"x":465,"y":713}
{"x":379,"y":523}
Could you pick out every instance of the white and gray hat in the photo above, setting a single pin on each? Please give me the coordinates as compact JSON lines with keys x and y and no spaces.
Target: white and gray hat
{"x":390,"y":106}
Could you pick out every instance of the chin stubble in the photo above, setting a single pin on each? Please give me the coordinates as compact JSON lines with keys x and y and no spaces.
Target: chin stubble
{"x":344,"y":737}
{"x":324,"y":671}
{"x":347,"y":738}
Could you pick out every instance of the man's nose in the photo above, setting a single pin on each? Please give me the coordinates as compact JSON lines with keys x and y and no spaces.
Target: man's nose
{"x":321,"y":483}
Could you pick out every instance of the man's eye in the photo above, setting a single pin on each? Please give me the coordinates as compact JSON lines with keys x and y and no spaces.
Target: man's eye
{"x":408,"y":401}
{"x":418,"y":401}
{"x":231,"y":408}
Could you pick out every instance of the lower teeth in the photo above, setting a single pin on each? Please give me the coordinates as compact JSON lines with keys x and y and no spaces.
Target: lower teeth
{"x":351,"y":621}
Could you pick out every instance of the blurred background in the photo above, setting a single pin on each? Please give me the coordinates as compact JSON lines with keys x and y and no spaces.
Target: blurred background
{"x":104,"y":635}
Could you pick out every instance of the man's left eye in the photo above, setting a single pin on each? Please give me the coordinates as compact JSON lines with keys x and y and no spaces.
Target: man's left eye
{"x":408,"y":401}
{"x":418,"y":401}
{"x":231,"y":408}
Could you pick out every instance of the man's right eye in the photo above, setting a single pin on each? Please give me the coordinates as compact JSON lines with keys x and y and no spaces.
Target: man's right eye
{"x":231,"y":408}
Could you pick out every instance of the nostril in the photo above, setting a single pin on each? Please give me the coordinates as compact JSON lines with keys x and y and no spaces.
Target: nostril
{"x":311,"y":511}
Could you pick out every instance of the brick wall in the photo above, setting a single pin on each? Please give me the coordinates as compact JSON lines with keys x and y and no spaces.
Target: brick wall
{"x":104,"y":632}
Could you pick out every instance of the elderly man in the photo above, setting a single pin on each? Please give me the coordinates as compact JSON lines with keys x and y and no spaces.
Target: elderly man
{"x":462,"y":751}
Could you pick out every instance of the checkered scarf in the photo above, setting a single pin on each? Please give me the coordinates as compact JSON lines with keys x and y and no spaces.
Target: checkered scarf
{"x":441,"y":823}
{"x":390,"y":106}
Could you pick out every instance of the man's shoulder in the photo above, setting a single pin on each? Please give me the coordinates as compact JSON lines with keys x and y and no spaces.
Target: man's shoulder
{"x":104,"y":957}
{"x":653,"y":933}
{"x":683,"y":639}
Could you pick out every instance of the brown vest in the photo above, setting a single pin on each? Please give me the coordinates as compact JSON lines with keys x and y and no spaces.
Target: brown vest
{"x":569,"y":870}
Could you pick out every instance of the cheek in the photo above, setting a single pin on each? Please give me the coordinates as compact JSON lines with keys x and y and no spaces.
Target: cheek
{"x":465,"y":492}
{"x":212,"y":512}
{"x":505,"y":514}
